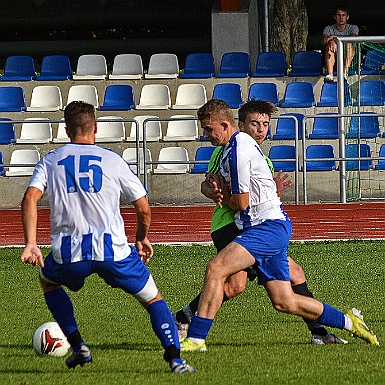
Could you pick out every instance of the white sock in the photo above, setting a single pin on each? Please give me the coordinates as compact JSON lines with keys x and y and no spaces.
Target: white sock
{"x":197,"y":340}
{"x":348,"y":323}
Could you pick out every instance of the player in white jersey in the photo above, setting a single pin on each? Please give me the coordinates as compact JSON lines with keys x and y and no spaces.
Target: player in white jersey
{"x":83,"y":183}
{"x":264,"y":239}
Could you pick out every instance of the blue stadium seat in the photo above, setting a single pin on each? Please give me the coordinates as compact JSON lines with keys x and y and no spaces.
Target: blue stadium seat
{"x":234,"y":65}
{"x":324,"y":128}
{"x":270,"y":64}
{"x":19,"y":68}
{"x":199,"y":65}
{"x":351,"y":151}
{"x":118,"y":97}
{"x":264,"y":91}
{"x":2,"y":171}
{"x":369,"y":126}
{"x":306,"y":63}
{"x":202,"y":153}
{"x":329,"y":95}
{"x":318,"y":151}
{"x":55,"y":67}
{"x":372,"y":93}
{"x":12,"y":99}
{"x":298,"y":94}
{"x":7,"y":131}
{"x":282,"y":151}
{"x":372,"y":62}
{"x":381,"y":163}
{"x":286,"y":127}
{"x":231,"y":93}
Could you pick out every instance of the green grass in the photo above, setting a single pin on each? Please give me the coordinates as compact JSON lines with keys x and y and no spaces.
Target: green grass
{"x":250,"y":343}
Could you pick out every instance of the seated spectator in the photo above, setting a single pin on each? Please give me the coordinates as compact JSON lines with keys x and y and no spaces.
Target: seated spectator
{"x":340,"y":28}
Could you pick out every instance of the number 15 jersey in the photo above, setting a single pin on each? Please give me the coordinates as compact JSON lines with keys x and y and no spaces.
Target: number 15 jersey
{"x":83,"y":184}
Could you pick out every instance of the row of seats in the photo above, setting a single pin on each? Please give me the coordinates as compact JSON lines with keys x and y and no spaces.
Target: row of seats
{"x":120,"y":97}
{"x":283,"y":157}
{"x":166,"y":65}
{"x":185,"y":128}
{"x":319,"y":157}
{"x":22,"y":161}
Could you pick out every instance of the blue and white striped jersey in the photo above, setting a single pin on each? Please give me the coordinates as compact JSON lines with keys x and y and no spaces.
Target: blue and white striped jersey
{"x":84,"y":183}
{"x":245,"y":169}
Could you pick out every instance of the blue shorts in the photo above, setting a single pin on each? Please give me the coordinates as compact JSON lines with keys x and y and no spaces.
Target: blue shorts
{"x":268,"y":244}
{"x":129,"y":274}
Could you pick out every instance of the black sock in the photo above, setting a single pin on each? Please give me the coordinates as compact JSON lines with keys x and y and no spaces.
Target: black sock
{"x":75,"y":338}
{"x":313,"y":326}
{"x":170,"y":353}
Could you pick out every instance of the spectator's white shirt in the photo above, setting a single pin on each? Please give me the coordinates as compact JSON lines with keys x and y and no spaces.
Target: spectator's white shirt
{"x":350,"y":30}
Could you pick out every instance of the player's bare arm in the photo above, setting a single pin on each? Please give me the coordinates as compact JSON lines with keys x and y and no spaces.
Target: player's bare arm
{"x":142,"y":243}
{"x":31,"y":253}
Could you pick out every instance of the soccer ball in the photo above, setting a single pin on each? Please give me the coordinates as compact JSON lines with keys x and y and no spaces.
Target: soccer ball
{"x":50,"y":340}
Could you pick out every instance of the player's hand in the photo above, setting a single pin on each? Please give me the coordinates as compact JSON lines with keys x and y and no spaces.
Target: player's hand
{"x":32,"y":255}
{"x":282,"y":182}
{"x":144,"y":249}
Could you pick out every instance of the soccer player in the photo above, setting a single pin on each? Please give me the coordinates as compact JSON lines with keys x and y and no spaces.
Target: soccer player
{"x":266,"y":231}
{"x":84,"y":182}
{"x":254,"y":119}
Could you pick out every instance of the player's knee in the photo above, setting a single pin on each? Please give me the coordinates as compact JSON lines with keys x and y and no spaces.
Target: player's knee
{"x":234,"y":289}
{"x":297,"y":275}
{"x":284,"y":305}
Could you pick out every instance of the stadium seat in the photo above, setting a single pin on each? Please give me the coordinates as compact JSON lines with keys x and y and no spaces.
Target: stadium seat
{"x":154,"y":97}
{"x":129,"y":155}
{"x":369,"y":126}
{"x":181,"y":130}
{"x":127,"y":66}
{"x":234,"y":65}
{"x":351,"y":151}
{"x":190,"y":97}
{"x":199,"y":65}
{"x":264,"y":91}
{"x":381,"y":162}
{"x":113,"y":131}
{"x":324,"y":128}
{"x":153,"y":129}
{"x":163,"y":66}
{"x":24,"y":157}
{"x":19,"y":68}
{"x":286,"y":127}
{"x":7,"y":131}
{"x":270,"y":64}
{"x":279,"y":152}
{"x":172,"y":154}
{"x":231,"y":93}
{"x":12,"y":99}
{"x":46,"y":98}
{"x":329,"y":95}
{"x":35,"y":130}
{"x":373,"y":62}
{"x":61,"y":136}
{"x":306,"y":63}
{"x":55,"y":67}
{"x":202,"y":154}
{"x":2,"y":170}
{"x":298,"y":95}
{"x":118,"y":97}
{"x":372,"y":93}
{"x":85,"y":93}
{"x":319,"y":151}
{"x":91,"y":67}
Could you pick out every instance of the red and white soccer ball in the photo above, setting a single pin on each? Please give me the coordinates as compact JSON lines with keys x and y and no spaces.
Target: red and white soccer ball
{"x":50,"y":340}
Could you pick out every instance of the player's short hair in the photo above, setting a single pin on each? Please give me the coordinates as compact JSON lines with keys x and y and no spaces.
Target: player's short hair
{"x":256,"y":106}
{"x":341,"y":7}
{"x":216,"y":109}
{"x":79,"y":118}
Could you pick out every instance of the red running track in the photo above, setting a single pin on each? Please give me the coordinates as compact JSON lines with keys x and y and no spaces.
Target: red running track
{"x":190,"y":224}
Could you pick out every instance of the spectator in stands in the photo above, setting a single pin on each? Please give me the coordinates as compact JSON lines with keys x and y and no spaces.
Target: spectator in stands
{"x":340,"y":28}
